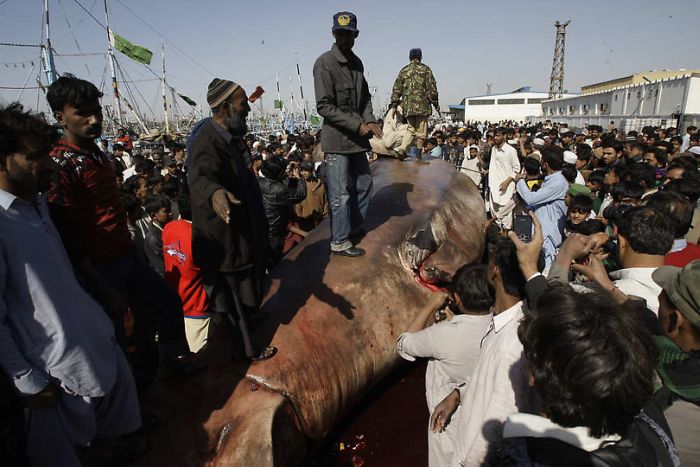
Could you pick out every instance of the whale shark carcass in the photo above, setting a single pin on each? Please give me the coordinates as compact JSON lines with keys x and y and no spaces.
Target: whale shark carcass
{"x":335,"y":321}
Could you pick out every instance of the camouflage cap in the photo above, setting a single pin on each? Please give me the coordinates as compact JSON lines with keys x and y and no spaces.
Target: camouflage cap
{"x":682,"y":285}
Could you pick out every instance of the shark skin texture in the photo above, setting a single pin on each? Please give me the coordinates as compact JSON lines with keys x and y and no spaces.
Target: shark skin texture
{"x":334,"y":320}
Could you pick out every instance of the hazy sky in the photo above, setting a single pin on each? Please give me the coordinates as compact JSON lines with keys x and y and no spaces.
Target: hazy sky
{"x":466,"y":43}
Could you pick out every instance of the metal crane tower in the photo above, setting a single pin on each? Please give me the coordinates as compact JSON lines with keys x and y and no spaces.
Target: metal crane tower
{"x":556,"y":82}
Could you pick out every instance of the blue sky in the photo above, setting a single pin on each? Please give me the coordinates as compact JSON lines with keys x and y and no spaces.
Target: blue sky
{"x":466,"y":43}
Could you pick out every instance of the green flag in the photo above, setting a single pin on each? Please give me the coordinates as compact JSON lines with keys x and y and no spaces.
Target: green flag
{"x":134,"y":52}
{"x":315,"y":120}
{"x":278,"y":104}
{"x":188,"y":100}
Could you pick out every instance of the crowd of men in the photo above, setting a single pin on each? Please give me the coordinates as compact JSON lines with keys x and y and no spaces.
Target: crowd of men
{"x":541,"y":370}
{"x":576,"y":341}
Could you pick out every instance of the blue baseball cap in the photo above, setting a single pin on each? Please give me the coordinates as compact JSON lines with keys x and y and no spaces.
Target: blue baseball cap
{"x":345,"y":21}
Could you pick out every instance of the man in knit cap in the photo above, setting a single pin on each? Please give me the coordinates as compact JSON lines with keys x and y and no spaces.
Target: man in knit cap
{"x":229,"y":229}
{"x":344,"y":102}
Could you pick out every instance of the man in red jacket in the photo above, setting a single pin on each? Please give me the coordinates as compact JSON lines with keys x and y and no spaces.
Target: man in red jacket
{"x":86,"y":187}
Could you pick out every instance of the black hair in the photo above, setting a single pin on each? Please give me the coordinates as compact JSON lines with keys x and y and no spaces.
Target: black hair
{"x":69,"y":90}
{"x":642,"y":173}
{"x":504,"y":256}
{"x":184,"y":205}
{"x":611,"y":143}
{"x":676,"y":207}
{"x":584,"y":155}
{"x":584,"y":151}
{"x":591,"y":359}
{"x":274,"y":168}
{"x":659,"y":154}
{"x":554,"y":157}
{"x":590,"y":226}
{"x":155,"y":179}
{"x":569,"y":172}
{"x":686,"y":187}
{"x":500,"y":131}
{"x":155,"y":203}
{"x":131,"y":184}
{"x":597,"y":176}
{"x":141,"y":167}
{"x":648,"y":230}
{"x":470,"y":285}
{"x":16,"y":126}
{"x":582,"y":203}
{"x":626,"y":189}
{"x":532,"y":166}
{"x":129,"y":202}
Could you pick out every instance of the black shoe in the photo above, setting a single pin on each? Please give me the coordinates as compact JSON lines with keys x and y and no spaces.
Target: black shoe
{"x":183,"y":365}
{"x":352,"y":252}
{"x":265,"y":354}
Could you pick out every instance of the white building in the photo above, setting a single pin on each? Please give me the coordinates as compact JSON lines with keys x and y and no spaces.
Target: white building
{"x":517,"y":106}
{"x":655,"y":98}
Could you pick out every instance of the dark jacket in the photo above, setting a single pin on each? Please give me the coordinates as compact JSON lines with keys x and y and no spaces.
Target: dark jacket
{"x":647,"y":444}
{"x":153,"y":247}
{"x":218,"y":160}
{"x":343,"y":100}
{"x":278,"y":199}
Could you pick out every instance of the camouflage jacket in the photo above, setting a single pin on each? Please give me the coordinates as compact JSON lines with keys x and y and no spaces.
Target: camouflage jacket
{"x":415,"y":89}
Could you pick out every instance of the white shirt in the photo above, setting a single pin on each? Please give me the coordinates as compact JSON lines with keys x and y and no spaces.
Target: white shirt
{"x":453,"y":347}
{"x":638,"y":282}
{"x":471,"y":167}
{"x":498,"y":387}
{"x":504,"y":163}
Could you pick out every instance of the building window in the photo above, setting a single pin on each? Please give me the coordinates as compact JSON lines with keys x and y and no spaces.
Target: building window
{"x":510,"y":101}
{"x":639,"y":94}
{"x":603,"y":108}
{"x":482,"y":101}
{"x":561,"y":110}
{"x":615,"y":98}
{"x":571,"y":109}
{"x":536,"y":100}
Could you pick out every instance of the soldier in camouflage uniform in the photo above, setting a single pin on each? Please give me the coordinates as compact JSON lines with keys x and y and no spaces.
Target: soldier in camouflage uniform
{"x":415,"y":90}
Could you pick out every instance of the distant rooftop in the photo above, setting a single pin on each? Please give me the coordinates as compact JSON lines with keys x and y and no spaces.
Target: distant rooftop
{"x":637,"y":78}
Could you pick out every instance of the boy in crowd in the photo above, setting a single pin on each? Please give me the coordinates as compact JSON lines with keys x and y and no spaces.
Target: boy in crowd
{"x":159,"y":209}
{"x":580,"y":210}
{"x":452,"y":346}
{"x":183,"y":275}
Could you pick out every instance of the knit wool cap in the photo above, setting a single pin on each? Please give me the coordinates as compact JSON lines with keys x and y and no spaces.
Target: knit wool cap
{"x":415,"y":53}
{"x":219,"y":90}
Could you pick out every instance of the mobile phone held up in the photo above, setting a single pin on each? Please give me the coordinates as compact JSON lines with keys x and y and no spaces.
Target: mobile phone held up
{"x":522,"y":226}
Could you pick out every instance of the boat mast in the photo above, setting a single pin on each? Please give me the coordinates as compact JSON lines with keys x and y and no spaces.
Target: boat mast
{"x":110,"y":52}
{"x":165,"y":100}
{"x":46,"y":50}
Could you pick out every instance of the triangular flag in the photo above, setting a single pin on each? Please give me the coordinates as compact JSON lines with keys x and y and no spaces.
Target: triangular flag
{"x":188,"y":100}
{"x":315,"y":120}
{"x":134,"y":52}
{"x":278,"y":104}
